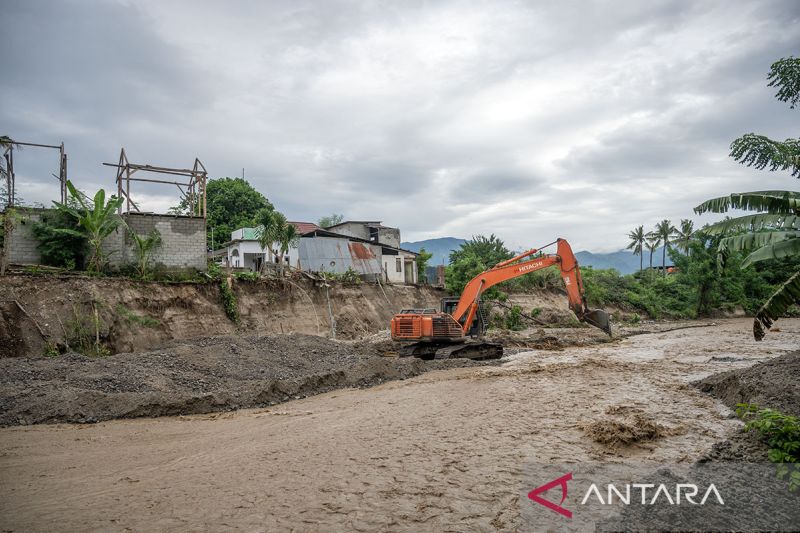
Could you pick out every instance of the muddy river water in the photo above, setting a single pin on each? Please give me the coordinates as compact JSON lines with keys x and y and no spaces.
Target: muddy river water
{"x":443,"y":451}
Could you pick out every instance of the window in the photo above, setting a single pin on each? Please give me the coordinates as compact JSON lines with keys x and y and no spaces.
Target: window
{"x":398,"y":263}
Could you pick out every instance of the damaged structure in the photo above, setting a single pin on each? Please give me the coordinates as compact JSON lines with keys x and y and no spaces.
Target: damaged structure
{"x":335,"y":250}
{"x":183,"y":236}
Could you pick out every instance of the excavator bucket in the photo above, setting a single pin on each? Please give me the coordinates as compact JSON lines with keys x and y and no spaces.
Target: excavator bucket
{"x":599,"y":319}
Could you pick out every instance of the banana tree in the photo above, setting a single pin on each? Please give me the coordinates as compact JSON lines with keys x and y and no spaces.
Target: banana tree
{"x":145,"y":245}
{"x":774,"y":234}
{"x":97,"y":220}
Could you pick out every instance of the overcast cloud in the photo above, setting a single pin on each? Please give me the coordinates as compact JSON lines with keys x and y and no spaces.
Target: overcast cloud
{"x":530,"y":120}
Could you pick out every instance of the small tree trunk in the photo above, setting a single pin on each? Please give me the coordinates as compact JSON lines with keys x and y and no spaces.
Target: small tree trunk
{"x":664,"y":259}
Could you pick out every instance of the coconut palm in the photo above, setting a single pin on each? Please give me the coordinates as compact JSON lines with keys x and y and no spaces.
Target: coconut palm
{"x":665,"y":231}
{"x":652,"y":243}
{"x":637,"y":238}
{"x":683,"y":236}
{"x":287,"y":239}
{"x":266,"y":222}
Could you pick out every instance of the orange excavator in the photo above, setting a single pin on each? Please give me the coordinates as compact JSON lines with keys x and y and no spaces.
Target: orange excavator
{"x":431,"y":334}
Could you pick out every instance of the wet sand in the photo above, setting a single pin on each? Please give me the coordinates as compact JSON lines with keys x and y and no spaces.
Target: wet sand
{"x":443,"y":451}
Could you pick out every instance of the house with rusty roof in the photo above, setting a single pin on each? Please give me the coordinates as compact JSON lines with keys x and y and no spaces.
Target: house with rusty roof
{"x":336,"y":249}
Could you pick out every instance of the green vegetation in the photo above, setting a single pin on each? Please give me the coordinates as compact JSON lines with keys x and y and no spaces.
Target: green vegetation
{"x":782,"y":435}
{"x":514,"y":319}
{"x":59,"y":245}
{"x":275,"y":234}
{"x":93,"y":221}
{"x":696,"y":288}
{"x":473,"y":257}
{"x":247,"y":276}
{"x":132,"y":318}
{"x":144,"y":247}
{"x":83,"y":332}
{"x":638,"y":238}
{"x":231,"y":203}
{"x":331,"y":220}
{"x":773,"y":233}
{"x":350,"y":276}
{"x":422,"y":264}
{"x":229,"y":302}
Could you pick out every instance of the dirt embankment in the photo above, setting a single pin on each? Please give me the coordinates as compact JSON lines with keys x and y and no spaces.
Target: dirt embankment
{"x":41,"y":313}
{"x":773,"y":384}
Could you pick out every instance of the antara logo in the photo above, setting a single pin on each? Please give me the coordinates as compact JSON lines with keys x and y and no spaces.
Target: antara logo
{"x":649,"y":494}
{"x":525,"y":268}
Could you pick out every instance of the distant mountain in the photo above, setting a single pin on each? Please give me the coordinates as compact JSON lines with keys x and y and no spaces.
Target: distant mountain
{"x":440,"y":248}
{"x":623,"y":261}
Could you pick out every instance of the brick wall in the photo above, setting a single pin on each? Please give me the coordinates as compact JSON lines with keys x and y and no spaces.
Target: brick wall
{"x":23,"y":243}
{"x":183,"y":240}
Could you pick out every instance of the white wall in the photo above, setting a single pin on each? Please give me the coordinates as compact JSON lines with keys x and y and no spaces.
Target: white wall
{"x":407,"y":261}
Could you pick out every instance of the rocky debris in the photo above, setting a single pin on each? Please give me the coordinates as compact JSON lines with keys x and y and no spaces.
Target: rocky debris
{"x":190,"y":377}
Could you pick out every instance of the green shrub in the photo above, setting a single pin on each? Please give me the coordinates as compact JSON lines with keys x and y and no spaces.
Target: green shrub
{"x":59,"y":244}
{"x":247,"y":276}
{"x":514,"y":319}
{"x":782,"y":435}
{"x":132,"y":318}
{"x":229,"y":303}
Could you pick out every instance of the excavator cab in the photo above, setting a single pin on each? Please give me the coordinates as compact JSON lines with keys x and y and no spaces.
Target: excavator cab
{"x":479,"y":325}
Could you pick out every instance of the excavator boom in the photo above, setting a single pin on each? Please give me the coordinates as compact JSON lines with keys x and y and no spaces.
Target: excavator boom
{"x":440,"y":328}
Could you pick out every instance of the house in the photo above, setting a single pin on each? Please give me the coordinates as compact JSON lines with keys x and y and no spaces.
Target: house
{"x":324,"y":250}
{"x":398,"y":265}
{"x":373,"y":231}
{"x":244,"y":250}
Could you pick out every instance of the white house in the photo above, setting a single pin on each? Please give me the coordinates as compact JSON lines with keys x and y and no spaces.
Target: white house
{"x":321,"y":250}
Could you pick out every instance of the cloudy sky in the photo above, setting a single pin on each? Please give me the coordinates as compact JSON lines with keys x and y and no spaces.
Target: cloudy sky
{"x":526,"y":119}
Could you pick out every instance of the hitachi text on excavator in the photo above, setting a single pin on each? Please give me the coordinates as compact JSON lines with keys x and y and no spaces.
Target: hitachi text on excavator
{"x":443,"y":334}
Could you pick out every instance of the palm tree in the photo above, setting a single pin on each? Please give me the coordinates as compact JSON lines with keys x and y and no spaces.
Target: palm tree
{"x":665,"y":231}
{"x":637,"y":238}
{"x":97,"y":220}
{"x":653,"y":240}
{"x":265,"y":221}
{"x":684,"y":235}
{"x":287,"y":239}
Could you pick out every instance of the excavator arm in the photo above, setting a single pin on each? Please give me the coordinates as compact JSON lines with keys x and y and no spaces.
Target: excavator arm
{"x":467,"y":306}
{"x":443,"y":335}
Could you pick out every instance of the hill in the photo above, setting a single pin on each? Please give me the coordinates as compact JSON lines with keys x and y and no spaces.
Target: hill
{"x":440,"y":248}
{"x":623,"y":260}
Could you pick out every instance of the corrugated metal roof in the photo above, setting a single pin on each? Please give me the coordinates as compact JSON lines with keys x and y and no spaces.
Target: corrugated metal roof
{"x":369,"y":223}
{"x":305,"y":227}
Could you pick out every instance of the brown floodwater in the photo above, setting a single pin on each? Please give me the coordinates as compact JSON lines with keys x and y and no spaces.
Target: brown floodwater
{"x":443,"y":451}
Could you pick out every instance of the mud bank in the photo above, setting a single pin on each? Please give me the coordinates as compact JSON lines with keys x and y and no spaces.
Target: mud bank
{"x":191,"y":377}
{"x":40,"y":313}
{"x":773,"y":383}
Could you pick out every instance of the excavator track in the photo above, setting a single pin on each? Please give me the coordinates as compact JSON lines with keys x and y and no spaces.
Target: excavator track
{"x":468,"y":350}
